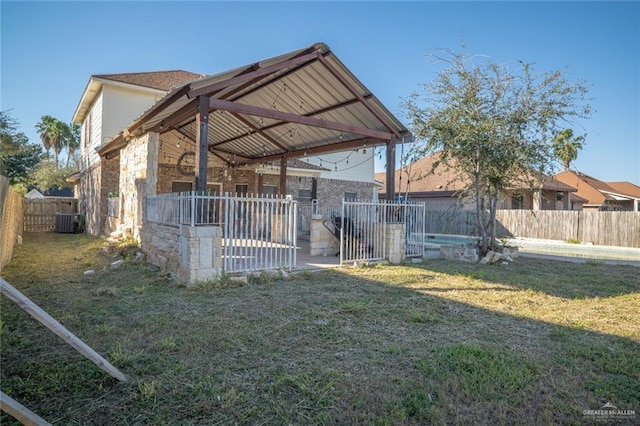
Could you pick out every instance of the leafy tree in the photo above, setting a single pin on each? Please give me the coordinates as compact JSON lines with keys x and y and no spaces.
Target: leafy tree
{"x":493,"y":126}
{"x":566,"y":146}
{"x":48,"y":175}
{"x":18,"y":158}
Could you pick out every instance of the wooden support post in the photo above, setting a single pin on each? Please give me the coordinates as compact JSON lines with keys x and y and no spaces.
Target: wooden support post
{"x":283,"y":177}
{"x":391,"y":170}
{"x":35,"y":311}
{"x":314,"y":188}
{"x":202,"y":143}
{"x":260,"y":183}
{"x":20,"y":412}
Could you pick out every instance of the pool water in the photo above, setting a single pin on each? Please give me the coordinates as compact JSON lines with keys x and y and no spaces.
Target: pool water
{"x":546,"y":247}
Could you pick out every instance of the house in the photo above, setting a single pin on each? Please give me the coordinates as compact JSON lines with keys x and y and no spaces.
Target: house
{"x":599,"y":195}
{"x":298,"y":124}
{"x":443,"y":189}
{"x":108,"y":103}
{"x":52,"y":192}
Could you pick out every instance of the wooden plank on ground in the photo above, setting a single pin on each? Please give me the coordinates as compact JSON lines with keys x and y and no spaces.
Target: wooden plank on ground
{"x":48,"y":321}
{"x":20,"y":412}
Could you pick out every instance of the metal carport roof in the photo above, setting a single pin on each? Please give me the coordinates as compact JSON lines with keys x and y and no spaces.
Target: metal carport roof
{"x":300,"y":103}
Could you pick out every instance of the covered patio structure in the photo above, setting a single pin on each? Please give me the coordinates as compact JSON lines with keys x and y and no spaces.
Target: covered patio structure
{"x":236,"y":123}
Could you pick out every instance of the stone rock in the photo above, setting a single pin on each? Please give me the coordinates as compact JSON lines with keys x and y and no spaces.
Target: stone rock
{"x":89,"y":272}
{"x":504,"y":263}
{"x":19,"y":240}
{"x":117,"y":264}
{"x":139,"y":256}
{"x":416,"y":260}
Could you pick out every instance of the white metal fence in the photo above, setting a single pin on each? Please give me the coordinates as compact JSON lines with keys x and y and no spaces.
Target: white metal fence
{"x":362,"y":228}
{"x":259,"y":232}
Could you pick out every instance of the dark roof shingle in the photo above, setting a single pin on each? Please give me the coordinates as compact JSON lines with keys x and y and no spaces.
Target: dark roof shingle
{"x":161,"y":80}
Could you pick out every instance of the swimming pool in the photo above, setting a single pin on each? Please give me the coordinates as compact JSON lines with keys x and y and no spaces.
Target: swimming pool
{"x":536,"y":246}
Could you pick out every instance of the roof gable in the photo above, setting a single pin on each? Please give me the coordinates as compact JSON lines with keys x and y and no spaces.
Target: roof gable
{"x":588,"y":187}
{"x":156,"y":81}
{"x":303,"y":102}
{"x":625,"y":188}
{"x":159,"y":80}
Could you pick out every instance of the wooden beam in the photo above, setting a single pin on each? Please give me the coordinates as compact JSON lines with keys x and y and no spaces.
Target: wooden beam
{"x":283,"y":177}
{"x":261,"y":72}
{"x":188,"y":110}
{"x":20,"y":412}
{"x":361,"y":98}
{"x":275,"y":125}
{"x":300,"y":119}
{"x":258,"y":131}
{"x":303,"y":152}
{"x":202,"y":143}
{"x":58,"y":329}
{"x":391,"y":170}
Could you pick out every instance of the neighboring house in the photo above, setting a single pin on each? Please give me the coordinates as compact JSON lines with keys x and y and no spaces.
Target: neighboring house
{"x":110,"y":102}
{"x":442,"y":190}
{"x":155,"y":153}
{"x":53,"y":192}
{"x":599,"y":195}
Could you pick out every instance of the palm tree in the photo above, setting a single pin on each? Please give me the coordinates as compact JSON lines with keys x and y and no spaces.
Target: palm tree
{"x":566,"y":146}
{"x":50,"y":130}
{"x":70,"y":138}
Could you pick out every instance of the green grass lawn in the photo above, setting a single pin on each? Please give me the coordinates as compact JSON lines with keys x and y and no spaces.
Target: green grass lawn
{"x":441,"y":342}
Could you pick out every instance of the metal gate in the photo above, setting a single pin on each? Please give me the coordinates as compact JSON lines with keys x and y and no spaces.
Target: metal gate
{"x":259,"y":233}
{"x":362,"y":228}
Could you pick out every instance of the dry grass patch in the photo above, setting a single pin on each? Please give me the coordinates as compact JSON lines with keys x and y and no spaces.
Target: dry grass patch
{"x":440,"y":342}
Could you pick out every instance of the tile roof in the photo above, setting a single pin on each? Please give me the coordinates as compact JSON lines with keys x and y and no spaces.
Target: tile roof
{"x":160,"y":80}
{"x":420,"y":180}
{"x":625,"y":188}
{"x":588,"y":187}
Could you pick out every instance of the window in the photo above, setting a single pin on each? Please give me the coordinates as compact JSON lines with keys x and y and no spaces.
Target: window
{"x":304,"y":194}
{"x":350,"y":196}
{"x":180,"y":186}
{"x":269,"y":189}
{"x":242,"y":189}
{"x":516,"y":202}
{"x":559,"y":196}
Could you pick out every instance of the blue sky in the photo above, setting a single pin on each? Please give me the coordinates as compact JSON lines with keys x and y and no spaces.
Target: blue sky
{"x":50,"y":49}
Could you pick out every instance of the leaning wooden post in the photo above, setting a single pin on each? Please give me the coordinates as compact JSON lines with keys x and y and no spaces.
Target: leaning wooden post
{"x":20,"y":412}
{"x":48,"y":321}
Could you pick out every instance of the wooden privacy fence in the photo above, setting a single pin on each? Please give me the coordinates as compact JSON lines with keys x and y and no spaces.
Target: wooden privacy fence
{"x":40,"y":213}
{"x":603,"y":228}
{"x":11,"y":208}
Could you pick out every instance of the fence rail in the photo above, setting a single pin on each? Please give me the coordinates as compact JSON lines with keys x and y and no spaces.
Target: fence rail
{"x":602,"y":228}
{"x":11,"y":220}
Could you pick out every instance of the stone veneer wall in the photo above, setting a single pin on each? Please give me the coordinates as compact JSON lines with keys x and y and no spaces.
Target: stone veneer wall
{"x":161,"y":245}
{"x":138,"y":178}
{"x":192,"y":253}
{"x":95,"y":185}
{"x":331,"y":191}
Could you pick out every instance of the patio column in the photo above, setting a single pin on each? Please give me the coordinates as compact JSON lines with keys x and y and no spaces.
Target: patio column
{"x":391,"y":170}
{"x":282,"y":190}
{"x":202,"y":143}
